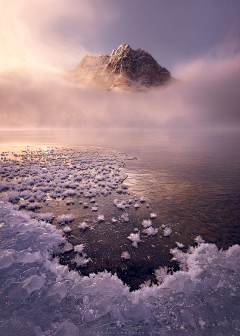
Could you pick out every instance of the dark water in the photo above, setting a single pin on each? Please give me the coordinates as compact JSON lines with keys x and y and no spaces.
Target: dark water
{"x":190,"y":179}
{"x":193,"y":179}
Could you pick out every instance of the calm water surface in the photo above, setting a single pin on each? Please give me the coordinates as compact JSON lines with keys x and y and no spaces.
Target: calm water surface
{"x":190,"y":179}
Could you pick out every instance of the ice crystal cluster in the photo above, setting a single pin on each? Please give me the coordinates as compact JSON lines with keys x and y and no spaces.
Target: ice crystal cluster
{"x":39,"y":296}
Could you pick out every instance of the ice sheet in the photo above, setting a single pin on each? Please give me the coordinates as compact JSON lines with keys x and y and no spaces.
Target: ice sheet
{"x":40,"y":296}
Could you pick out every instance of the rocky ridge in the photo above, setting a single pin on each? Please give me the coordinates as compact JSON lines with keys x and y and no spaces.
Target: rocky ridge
{"x":124,"y":68}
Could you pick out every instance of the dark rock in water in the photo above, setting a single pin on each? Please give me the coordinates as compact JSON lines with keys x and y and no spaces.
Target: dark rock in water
{"x":124,"y":68}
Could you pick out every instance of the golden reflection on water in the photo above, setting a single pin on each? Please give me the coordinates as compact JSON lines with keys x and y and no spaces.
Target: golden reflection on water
{"x":189,"y":178}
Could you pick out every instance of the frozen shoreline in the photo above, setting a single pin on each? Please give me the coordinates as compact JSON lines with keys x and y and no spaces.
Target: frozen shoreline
{"x":82,"y":193}
{"x":41,"y":297}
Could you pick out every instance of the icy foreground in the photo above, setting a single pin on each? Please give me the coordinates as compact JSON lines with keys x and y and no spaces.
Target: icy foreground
{"x":41,"y":297}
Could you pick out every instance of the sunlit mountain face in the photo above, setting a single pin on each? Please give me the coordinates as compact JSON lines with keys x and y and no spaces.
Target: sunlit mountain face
{"x":124,"y":68}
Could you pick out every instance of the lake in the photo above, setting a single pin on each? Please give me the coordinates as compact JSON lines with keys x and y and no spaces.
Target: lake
{"x":188,"y":177}
{"x":189,"y":180}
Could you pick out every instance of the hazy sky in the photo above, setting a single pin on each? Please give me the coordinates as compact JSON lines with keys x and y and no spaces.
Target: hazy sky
{"x":172,"y":31}
{"x":61,"y":31}
{"x":198,"y":41}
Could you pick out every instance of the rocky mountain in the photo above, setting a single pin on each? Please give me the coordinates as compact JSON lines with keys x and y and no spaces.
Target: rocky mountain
{"x":124,"y":68}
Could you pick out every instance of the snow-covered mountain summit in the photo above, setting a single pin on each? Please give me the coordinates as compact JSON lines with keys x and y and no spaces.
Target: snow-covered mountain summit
{"x":124,"y":68}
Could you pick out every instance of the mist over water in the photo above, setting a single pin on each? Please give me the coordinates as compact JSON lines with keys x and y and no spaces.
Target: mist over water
{"x":35,"y":91}
{"x":208,"y":97}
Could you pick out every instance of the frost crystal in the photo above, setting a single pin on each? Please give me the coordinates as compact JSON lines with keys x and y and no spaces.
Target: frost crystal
{"x":146,"y":223}
{"x":167,"y":232}
{"x":83,"y":226}
{"x":150,"y":231}
{"x":125,"y":255}
{"x":135,"y":238}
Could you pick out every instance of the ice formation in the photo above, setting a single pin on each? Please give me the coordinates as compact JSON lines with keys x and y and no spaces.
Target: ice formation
{"x":143,"y":199}
{"x":167,"y":231}
{"x":179,"y":245}
{"x":80,"y":261}
{"x":46,"y":217}
{"x":13,"y":196}
{"x":153,"y":215}
{"x":125,"y":217}
{"x":150,"y":231}
{"x":79,"y":248}
{"x":125,"y":255}
{"x":100,"y":218}
{"x":83,"y":226}
{"x":63,"y":219}
{"x":146,"y":223}
{"x":135,"y":238}
{"x":161,"y":274}
{"x":34,"y":206}
{"x":67,"y":229}
{"x":120,"y":204}
{"x":39,"y":296}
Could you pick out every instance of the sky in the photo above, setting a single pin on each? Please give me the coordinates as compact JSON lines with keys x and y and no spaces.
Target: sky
{"x":197,"y":41}
{"x":171,"y":31}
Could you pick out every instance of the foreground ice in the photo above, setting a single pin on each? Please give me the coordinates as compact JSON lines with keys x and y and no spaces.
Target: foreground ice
{"x":38,"y":296}
{"x":135,"y":238}
{"x":36,"y":179}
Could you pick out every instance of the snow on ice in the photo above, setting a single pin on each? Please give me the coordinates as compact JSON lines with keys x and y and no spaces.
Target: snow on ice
{"x":39,"y":296}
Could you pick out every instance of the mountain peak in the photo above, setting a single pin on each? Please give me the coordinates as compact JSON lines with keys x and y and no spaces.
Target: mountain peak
{"x":124,"y":68}
{"x":123,"y":48}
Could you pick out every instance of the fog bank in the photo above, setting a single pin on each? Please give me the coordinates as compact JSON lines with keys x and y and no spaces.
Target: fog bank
{"x":41,"y":38}
{"x":208,"y":96}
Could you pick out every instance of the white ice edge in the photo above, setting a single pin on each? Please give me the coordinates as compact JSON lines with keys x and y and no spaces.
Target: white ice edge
{"x":39,"y":296}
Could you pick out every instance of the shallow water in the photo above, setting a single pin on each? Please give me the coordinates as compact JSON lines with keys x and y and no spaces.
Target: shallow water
{"x":43,"y":182}
{"x":190,"y":180}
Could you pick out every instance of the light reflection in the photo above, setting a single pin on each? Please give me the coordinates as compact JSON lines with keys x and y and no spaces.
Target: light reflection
{"x":196,"y":186}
